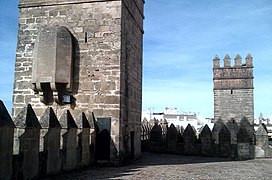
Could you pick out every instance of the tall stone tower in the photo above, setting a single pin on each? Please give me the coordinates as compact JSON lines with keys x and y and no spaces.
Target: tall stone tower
{"x":233,"y":89}
{"x":84,"y":56}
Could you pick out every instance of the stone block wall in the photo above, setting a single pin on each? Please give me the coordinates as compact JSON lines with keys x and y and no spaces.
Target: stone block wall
{"x":107,"y":63}
{"x":233,"y":89}
{"x":235,"y":105}
{"x":95,"y":27}
{"x":131,"y":76}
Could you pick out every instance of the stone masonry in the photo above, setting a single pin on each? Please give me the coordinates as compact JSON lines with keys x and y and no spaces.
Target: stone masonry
{"x":233,"y":89}
{"x":105,"y":67}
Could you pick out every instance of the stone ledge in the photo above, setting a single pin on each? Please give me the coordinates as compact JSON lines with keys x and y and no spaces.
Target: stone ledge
{"x":36,"y":3}
{"x":229,"y":77}
{"x":232,"y":88}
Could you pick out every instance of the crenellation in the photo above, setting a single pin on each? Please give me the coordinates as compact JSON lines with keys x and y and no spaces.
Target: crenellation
{"x":238,"y":60}
{"x":227,"y":61}
{"x":249,"y":60}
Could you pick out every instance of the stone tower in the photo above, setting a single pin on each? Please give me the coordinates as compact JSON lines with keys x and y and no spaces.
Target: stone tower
{"x":233,"y":89}
{"x":84,"y":56}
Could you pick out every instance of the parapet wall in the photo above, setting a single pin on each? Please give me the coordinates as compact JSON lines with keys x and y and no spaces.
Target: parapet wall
{"x":32,"y":147}
{"x":237,"y":61}
{"x":229,"y":140}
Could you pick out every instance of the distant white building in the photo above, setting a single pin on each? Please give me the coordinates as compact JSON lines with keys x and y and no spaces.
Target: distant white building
{"x":267,"y":121}
{"x":172,"y":116}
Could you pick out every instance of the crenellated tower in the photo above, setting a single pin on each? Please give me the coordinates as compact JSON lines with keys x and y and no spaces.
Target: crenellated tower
{"x":233,"y":89}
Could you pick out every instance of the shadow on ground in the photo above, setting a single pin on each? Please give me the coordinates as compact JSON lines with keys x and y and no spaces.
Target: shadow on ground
{"x":147,"y":160}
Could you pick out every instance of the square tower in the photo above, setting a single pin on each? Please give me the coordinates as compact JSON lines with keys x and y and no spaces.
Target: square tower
{"x":84,"y":56}
{"x":233,"y":89}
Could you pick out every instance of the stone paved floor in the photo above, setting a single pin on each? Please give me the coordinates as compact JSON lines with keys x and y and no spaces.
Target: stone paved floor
{"x":163,"y":166}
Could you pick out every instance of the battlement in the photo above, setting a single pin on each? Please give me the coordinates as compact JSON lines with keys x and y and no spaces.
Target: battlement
{"x":238,"y":76}
{"x":33,"y":147}
{"x":228,"y":140}
{"x":237,"y":62}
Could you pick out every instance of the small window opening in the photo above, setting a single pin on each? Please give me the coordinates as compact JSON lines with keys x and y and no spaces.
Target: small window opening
{"x":86,"y":37}
{"x":231,"y":91}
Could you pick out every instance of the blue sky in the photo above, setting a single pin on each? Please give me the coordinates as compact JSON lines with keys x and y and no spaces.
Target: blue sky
{"x":8,"y":43}
{"x":181,"y":38}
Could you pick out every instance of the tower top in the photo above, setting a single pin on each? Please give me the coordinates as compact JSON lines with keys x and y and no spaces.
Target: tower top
{"x":237,"y":61}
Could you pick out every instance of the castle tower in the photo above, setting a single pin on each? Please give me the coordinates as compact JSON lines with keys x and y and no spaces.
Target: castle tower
{"x":84,"y":56}
{"x":233,"y":89}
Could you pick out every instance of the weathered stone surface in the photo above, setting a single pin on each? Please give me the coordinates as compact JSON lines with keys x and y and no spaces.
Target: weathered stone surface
{"x":238,"y":60}
{"x":6,"y":142}
{"x":156,"y":133}
{"x":92,"y":120}
{"x":49,"y":119}
{"x":216,"y":130}
{"x":233,"y":90}
{"x":224,"y":146}
{"x":28,"y":136}
{"x":82,"y":121}
{"x":93,"y":131}
{"x":172,"y":139}
{"x":107,"y":41}
{"x":262,"y":143}
{"x":6,"y":152}
{"x":69,"y":141}
{"x":67,"y":121}
{"x":190,"y":140}
{"x":227,"y":61}
{"x":249,"y":128}
{"x":27,"y":118}
{"x":50,"y":142}
{"x":245,"y":140}
{"x":83,"y":140}
{"x":205,"y":137}
{"x":52,"y":63}
{"x":233,"y":128}
{"x":156,"y":139}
